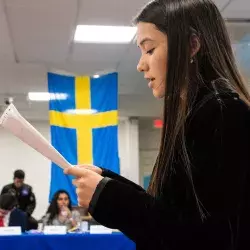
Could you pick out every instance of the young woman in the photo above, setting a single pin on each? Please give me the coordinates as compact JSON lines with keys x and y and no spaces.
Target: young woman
{"x":60,"y":211}
{"x":198,"y":197}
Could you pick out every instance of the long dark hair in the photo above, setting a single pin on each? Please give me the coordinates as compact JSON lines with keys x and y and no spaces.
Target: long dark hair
{"x":53,"y":209}
{"x":180,"y":20}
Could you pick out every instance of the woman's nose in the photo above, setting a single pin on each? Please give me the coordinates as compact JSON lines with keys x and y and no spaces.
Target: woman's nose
{"x":141,"y":67}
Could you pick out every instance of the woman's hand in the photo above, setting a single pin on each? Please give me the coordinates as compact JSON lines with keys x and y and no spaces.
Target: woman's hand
{"x":92,"y":168}
{"x":65,"y":212}
{"x":86,"y":182}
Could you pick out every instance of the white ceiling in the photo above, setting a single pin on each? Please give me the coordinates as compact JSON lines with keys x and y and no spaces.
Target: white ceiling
{"x":37,"y":36}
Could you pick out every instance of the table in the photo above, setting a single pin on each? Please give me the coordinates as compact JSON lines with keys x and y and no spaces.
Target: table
{"x":115,"y":241}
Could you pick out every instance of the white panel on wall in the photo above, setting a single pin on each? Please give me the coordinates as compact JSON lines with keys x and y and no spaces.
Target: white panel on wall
{"x":129,"y":149}
{"x":149,"y":141}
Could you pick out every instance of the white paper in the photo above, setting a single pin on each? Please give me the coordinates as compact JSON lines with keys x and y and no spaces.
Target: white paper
{"x":84,"y":225}
{"x":98,"y":229}
{"x":12,"y":121}
{"x":10,"y":231}
{"x":55,"y":230}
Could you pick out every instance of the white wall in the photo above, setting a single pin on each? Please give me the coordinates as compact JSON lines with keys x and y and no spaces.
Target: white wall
{"x":17,"y":155}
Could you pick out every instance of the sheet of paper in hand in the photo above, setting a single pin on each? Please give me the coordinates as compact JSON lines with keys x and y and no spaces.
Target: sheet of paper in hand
{"x":16,"y":124}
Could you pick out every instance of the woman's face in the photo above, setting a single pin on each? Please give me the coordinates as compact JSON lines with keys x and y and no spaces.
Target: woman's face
{"x":153,"y":62}
{"x":63,"y":200}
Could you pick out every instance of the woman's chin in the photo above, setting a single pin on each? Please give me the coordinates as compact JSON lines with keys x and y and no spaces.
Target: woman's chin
{"x":158,"y":94}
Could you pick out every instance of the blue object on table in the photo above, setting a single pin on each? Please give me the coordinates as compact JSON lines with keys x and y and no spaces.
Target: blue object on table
{"x":116,"y":241}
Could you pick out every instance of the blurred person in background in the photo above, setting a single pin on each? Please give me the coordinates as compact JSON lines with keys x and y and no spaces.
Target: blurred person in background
{"x":9,"y":214}
{"x":60,"y":212}
{"x":26,"y":200}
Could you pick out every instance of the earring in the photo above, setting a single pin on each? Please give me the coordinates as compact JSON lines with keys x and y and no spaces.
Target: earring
{"x":191,"y":60}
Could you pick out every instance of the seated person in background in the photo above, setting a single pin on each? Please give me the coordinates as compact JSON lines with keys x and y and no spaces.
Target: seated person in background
{"x":9,"y":214}
{"x":60,"y":211}
{"x":26,"y":200}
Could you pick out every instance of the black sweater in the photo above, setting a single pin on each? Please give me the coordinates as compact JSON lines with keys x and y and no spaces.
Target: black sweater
{"x":218,"y":141}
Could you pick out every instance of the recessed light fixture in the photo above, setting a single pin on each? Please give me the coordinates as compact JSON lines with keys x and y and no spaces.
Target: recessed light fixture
{"x":45,"y":96}
{"x":81,"y":111}
{"x":104,"y":34}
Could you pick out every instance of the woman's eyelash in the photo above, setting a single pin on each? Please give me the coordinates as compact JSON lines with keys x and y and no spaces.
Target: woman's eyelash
{"x":150,"y":51}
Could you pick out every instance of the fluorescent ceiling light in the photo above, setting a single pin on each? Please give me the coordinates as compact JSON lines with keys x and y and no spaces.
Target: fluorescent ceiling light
{"x":45,"y":96}
{"x":96,"y":76}
{"x":104,"y":34}
{"x":81,"y":111}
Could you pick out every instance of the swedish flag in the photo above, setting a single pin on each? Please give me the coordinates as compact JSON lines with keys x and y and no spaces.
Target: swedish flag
{"x":84,"y":124}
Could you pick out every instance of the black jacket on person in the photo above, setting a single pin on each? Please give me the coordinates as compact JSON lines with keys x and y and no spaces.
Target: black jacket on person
{"x":218,"y":142}
{"x":25,"y":197}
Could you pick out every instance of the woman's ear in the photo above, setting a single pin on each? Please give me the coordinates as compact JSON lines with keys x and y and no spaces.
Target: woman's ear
{"x":195,"y":45}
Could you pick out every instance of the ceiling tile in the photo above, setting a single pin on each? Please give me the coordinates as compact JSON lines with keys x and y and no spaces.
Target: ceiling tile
{"x":221,"y":3}
{"x":6,"y":48}
{"x":42,"y":30}
{"x":109,"y":12}
{"x":98,"y":52}
{"x":83,"y":68}
{"x":237,"y":9}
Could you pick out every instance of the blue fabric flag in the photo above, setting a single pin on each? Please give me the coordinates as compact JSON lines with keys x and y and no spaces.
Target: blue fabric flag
{"x":83,"y":115}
